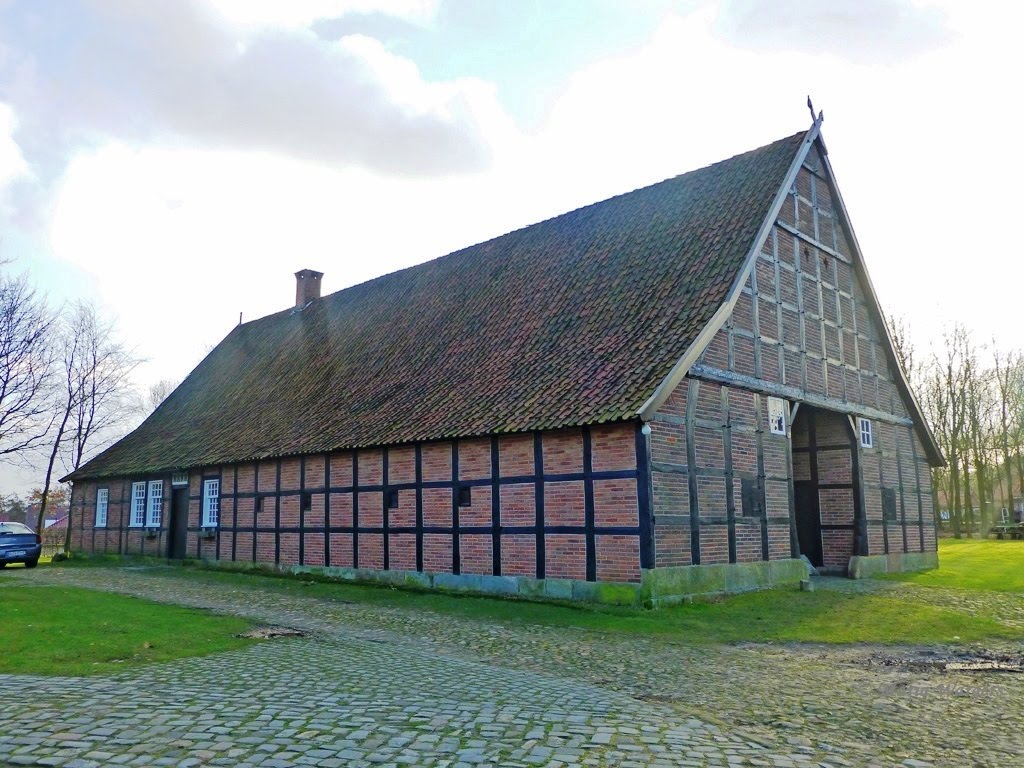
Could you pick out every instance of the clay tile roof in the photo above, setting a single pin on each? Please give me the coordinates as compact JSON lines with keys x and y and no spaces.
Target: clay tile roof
{"x":575,"y":320}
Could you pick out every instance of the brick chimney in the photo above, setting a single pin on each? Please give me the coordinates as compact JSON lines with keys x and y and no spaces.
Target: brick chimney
{"x":307,"y":287}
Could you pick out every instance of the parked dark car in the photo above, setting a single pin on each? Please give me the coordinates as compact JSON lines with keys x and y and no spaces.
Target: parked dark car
{"x":19,"y":544}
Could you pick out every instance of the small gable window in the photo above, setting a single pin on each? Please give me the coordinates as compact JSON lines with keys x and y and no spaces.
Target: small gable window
{"x":465,"y":496}
{"x":392,"y":499}
{"x":138,"y":518}
{"x":306,"y":502}
{"x":102,"y":504}
{"x":867,"y":437}
{"x":211,"y":503}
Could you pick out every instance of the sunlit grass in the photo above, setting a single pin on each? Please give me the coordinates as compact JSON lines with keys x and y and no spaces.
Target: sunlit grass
{"x":67,"y":631}
{"x":986,"y":565}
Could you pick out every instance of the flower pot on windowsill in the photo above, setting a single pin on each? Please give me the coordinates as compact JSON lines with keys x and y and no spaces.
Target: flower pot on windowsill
{"x":207,"y":533}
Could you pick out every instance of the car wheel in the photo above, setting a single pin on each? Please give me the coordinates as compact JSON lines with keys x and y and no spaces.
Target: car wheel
{"x":31,"y":563}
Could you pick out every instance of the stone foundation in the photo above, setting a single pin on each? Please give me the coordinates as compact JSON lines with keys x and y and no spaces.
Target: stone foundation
{"x":865,"y":566}
{"x":668,"y":586}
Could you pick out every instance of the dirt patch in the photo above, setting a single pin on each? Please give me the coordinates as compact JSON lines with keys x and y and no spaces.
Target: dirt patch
{"x":976,"y":660}
{"x":269,"y":633}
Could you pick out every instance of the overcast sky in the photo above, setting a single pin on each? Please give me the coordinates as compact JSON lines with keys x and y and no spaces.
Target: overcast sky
{"x":178,"y":161}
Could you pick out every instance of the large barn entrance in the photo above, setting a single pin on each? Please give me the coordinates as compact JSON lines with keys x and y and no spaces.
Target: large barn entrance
{"x":823,"y":485}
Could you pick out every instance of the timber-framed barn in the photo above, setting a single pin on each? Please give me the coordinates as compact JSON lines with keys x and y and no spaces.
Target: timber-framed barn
{"x":687,"y":388}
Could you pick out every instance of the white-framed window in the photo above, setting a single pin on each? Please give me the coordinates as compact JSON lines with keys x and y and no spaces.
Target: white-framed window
{"x":155,"y":504}
{"x":102,"y":505}
{"x":179,"y":478}
{"x":211,"y":503}
{"x":867,"y":438}
{"x":138,"y":517}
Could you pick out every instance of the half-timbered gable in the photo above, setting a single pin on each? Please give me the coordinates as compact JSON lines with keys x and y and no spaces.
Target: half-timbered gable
{"x":804,"y":334}
{"x":659,"y":394}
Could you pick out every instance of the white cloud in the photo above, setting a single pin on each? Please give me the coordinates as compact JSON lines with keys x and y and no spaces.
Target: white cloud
{"x":206,"y":213}
{"x":12,"y":163}
{"x":122,"y":71}
{"x":867,"y":31}
{"x":302,"y":13}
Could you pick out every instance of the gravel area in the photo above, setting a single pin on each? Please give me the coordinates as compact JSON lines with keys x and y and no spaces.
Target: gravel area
{"x":389,"y":686}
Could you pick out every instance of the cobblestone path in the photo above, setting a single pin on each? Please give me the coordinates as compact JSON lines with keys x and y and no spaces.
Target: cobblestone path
{"x":389,"y":686}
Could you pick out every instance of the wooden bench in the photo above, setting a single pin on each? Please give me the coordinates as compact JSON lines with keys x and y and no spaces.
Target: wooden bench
{"x":1015,"y":531}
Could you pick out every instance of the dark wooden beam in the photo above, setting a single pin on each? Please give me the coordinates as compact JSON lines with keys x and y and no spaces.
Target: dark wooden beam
{"x":538,"y":500}
{"x":708,"y":373}
{"x":693,"y":390}
{"x":730,"y":493}
{"x":644,"y":497}
{"x":495,"y":506}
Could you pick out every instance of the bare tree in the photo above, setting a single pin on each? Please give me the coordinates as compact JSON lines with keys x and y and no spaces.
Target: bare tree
{"x":159,"y":392}
{"x":902,"y":345}
{"x":105,"y":376}
{"x":65,"y":399}
{"x":25,"y":365}
{"x":94,"y":394}
{"x":12,"y":507}
{"x":935,"y":402}
{"x":1008,"y":377}
{"x":945,"y":403}
{"x":979,"y":407}
{"x":103,"y":409}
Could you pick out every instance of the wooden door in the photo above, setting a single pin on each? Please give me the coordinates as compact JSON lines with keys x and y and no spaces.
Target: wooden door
{"x":808,"y":520}
{"x":179,"y":524}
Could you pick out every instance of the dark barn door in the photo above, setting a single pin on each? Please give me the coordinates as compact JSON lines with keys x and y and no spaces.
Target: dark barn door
{"x":808,"y":520}
{"x":179,"y":524}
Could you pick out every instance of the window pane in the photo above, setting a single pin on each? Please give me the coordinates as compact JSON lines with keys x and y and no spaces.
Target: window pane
{"x":211,"y":502}
{"x":154,"y":512}
{"x":138,"y":504}
{"x":102,"y":499}
{"x":865,"y":433}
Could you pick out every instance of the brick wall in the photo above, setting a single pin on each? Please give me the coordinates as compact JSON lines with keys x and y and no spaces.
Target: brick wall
{"x":707,"y":442}
{"x":560,"y":504}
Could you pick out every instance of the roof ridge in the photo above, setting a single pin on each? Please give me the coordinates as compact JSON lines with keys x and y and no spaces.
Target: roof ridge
{"x":579,"y":209}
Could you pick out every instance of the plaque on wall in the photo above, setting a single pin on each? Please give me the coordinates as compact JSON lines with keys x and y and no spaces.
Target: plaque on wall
{"x":777,"y":415}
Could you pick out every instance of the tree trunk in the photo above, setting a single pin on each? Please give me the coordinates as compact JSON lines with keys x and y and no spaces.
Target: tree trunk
{"x":49,"y":468}
{"x":984,"y":496}
{"x":1020,"y":474}
{"x":955,"y":508}
{"x":968,"y":500}
{"x":67,"y":531}
{"x":1009,"y":475}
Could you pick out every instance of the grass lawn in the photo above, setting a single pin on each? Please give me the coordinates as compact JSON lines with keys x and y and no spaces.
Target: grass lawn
{"x":69,"y":631}
{"x":781,"y":615}
{"x":986,"y":565}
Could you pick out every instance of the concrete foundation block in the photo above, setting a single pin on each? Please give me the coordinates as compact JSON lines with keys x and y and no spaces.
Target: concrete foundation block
{"x":866,"y":566}
{"x":558,"y":589}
